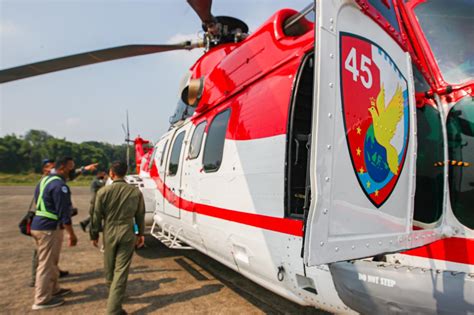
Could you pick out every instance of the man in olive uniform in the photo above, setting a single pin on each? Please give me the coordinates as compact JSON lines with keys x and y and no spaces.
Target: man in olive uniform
{"x":98,"y":182}
{"x":116,"y":208}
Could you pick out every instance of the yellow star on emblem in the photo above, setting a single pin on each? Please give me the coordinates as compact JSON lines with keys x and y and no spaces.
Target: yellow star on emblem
{"x":376,"y":193}
{"x":358,"y":130}
{"x":361,"y":170}
{"x":358,"y":151}
{"x":368,"y":184}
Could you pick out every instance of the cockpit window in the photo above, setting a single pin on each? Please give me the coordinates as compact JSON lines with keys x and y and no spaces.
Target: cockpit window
{"x":387,"y":10}
{"x":420,"y":82}
{"x":447,"y":26}
{"x":181,"y":112}
{"x":460,"y":125}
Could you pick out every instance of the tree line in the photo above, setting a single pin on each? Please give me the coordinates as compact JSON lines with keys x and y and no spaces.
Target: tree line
{"x":23,"y":154}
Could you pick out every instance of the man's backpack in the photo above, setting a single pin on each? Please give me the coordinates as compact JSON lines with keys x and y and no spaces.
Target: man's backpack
{"x":25,"y":223}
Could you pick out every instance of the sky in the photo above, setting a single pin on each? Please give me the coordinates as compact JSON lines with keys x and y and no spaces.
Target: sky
{"x":89,"y":103}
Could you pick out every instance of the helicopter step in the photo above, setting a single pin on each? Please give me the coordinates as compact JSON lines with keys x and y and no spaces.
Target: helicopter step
{"x":168,"y":235}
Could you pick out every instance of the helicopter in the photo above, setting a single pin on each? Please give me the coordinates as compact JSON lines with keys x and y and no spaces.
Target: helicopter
{"x":327,"y":155}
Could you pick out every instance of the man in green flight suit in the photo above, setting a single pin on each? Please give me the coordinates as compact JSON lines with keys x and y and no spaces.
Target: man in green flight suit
{"x":116,"y":208}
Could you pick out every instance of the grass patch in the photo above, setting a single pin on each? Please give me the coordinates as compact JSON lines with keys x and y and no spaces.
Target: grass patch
{"x":32,"y":179}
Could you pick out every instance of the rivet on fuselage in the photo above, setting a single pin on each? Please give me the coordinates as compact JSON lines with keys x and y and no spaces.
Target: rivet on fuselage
{"x":326,"y":179}
{"x":330,"y":115}
{"x":336,"y":249}
{"x":329,"y":147}
{"x":331,"y":56}
{"x":331,"y":85}
{"x":322,"y":243}
{"x":325,"y":211}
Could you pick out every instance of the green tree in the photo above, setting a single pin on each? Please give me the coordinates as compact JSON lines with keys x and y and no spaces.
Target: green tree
{"x":24,"y":154}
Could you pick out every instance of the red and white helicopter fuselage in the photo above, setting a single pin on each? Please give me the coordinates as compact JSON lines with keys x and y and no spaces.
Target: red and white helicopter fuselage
{"x":328,"y":156}
{"x":238,"y":200}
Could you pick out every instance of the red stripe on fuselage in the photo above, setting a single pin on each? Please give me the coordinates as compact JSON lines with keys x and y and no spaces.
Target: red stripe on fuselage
{"x":454,"y":249}
{"x":459,"y":250}
{"x":282,"y":225}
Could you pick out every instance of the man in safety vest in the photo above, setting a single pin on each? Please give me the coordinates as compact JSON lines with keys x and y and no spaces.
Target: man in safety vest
{"x":118,"y":205}
{"x":53,"y":214}
{"x":46,"y":166}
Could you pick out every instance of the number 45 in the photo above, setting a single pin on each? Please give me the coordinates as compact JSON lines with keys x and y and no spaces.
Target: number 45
{"x":351,"y":65}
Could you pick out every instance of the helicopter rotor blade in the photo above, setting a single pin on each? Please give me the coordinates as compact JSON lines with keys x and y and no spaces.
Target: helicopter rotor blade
{"x":88,"y":58}
{"x":202,"y":9}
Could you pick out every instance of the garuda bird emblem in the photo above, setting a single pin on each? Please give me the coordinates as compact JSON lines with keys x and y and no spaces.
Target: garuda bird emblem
{"x":385,"y":121}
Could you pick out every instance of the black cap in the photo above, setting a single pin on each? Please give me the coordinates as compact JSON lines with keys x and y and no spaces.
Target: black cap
{"x":46,"y":161}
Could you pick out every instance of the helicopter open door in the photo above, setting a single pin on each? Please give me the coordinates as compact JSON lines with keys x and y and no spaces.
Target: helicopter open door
{"x":364,"y":137}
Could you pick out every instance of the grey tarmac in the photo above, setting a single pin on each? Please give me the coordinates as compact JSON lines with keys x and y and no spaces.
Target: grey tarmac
{"x":162,"y":280}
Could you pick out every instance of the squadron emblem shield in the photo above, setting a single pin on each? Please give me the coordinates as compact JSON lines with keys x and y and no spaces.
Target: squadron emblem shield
{"x":374,"y":96}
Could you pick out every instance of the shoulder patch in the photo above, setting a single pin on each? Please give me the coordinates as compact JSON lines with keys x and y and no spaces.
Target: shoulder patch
{"x":64,"y":189}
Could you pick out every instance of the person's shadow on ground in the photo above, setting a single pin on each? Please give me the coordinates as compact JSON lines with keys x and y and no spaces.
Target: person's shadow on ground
{"x":156,"y":302}
{"x":99,"y":273}
{"x":100,"y":291}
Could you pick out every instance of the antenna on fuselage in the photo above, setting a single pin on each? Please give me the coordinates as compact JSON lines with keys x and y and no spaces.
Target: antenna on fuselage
{"x":127,"y":139}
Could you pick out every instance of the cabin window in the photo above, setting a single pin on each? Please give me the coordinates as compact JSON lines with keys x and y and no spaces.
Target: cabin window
{"x":460,"y":127}
{"x":214,"y":148}
{"x":429,"y":166}
{"x":175,"y":154}
{"x":196,"y":140}
{"x":152,"y":159}
{"x":297,"y":188}
{"x":163,"y":153}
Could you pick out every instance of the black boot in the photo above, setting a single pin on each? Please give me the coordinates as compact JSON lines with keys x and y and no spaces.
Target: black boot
{"x":84,"y":224}
{"x":63,"y":273}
